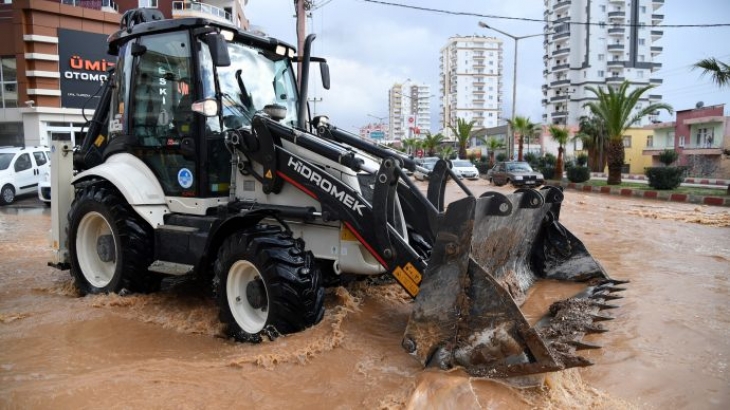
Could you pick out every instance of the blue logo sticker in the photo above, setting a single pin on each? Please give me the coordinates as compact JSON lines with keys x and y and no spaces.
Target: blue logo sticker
{"x":185,"y":178}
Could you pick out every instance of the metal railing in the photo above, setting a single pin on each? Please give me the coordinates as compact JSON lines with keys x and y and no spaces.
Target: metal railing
{"x":92,"y":4}
{"x":201,"y":8}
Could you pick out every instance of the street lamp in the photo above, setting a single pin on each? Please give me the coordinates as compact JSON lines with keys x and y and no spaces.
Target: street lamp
{"x":514,"y":77}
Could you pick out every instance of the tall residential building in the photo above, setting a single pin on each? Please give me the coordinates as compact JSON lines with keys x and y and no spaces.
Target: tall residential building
{"x":409,"y":110}
{"x":471,"y":81}
{"x":616,"y":44}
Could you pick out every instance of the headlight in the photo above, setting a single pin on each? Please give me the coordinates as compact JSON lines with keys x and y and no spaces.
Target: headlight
{"x":47,"y":177}
{"x":518,"y":177}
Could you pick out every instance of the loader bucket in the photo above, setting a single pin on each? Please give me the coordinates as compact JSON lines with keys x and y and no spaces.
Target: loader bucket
{"x":487,"y":253}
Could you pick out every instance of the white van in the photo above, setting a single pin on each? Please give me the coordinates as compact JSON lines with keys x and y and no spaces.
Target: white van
{"x":20,"y":171}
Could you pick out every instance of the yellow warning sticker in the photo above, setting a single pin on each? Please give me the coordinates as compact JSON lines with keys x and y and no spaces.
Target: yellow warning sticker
{"x":99,"y":140}
{"x":347,"y":235}
{"x":405,"y":280}
{"x":269,"y":175}
{"x":412,"y":272}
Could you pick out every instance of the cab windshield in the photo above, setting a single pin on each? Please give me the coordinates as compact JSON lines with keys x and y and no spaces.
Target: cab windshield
{"x":255,"y":79}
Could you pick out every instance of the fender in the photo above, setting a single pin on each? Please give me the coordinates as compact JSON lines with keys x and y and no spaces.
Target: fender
{"x":136,"y":182}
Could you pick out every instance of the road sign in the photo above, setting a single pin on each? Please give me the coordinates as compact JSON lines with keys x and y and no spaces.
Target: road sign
{"x":377,"y":135}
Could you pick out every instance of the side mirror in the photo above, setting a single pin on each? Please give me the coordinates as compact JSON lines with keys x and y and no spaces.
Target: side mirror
{"x":324,"y":71}
{"x":218,"y":50}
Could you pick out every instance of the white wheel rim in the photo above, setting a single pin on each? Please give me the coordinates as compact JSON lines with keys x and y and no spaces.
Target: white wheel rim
{"x":249,"y":318}
{"x":96,"y":271}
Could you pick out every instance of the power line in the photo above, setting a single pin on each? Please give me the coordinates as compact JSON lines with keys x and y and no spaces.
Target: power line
{"x":584,"y":23}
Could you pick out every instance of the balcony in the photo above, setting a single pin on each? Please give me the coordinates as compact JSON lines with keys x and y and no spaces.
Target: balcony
{"x":561,"y":5}
{"x":559,"y":98}
{"x":182,"y":9}
{"x":563,"y":35}
{"x":657,"y":4}
{"x":560,"y":20}
{"x":657,"y":34}
{"x":621,"y":15}
{"x":561,"y":51}
{"x":616,"y":31}
{"x":656,"y":81}
{"x":561,"y":67}
{"x":656,"y":50}
{"x":615,"y":79}
{"x":656,"y":67}
{"x":103,"y":5}
{"x":615,"y":47}
{"x":559,"y":83}
{"x":654,"y":97}
{"x":657,"y":18}
{"x":556,"y":114}
{"x":616,"y":64}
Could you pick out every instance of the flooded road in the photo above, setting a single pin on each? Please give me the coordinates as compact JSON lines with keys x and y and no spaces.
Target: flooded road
{"x":668,"y":348}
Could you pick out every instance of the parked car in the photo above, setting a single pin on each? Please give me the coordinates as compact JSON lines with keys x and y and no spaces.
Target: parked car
{"x":517,"y":173}
{"x":423,"y":170}
{"x":464,"y":169}
{"x":44,"y":188}
{"x":21,"y":169}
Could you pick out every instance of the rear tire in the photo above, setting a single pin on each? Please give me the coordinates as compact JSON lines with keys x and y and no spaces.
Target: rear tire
{"x":267,"y":284}
{"x":109,"y":244}
{"x":7,"y":195}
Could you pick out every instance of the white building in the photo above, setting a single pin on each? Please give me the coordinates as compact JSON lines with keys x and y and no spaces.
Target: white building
{"x":618,"y":44}
{"x":471,"y":81}
{"x":409,"y":110}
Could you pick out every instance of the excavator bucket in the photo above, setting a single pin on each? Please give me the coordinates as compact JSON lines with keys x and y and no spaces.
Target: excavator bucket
{"x":487,"y":254}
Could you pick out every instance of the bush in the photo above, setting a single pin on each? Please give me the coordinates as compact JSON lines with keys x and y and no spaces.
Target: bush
{"x":501,"y":157}
{"x":548,"y":171}
{"x":664,"y":177}
{"x":668,"y":157}
{"x":482,"y":167}
{"x":582,"y":160}
{"x":579,"y":174}
{"x":531,"y":158}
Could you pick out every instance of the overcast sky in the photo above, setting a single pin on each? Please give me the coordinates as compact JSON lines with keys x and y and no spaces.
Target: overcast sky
{"x":370,"y":46}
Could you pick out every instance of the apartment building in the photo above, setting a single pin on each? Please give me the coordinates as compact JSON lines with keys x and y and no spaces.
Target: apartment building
{"x":470,"y":83}
{"x":409,"y":110}
{"x":619,"y":42}
{"x":54,"y":58}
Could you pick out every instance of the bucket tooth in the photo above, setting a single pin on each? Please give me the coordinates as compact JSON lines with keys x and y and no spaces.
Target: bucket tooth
{"x":600,"y":318}
{"x":613,"y":282}
{"x":593,"y":329}
{"x":604,"y":306}
{"x":611,"y":288}
{"x":578,"y":345}
{"x":605,"y":296}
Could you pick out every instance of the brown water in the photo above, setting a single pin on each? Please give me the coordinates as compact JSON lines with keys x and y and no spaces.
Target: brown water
{"x":668,"y":348}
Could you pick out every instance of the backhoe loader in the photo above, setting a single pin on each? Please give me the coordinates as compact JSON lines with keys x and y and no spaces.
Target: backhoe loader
{"x":201,"y":159}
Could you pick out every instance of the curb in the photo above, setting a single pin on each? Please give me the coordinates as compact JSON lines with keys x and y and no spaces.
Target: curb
{"x":655,"y":195}
{"x":701,"y":181}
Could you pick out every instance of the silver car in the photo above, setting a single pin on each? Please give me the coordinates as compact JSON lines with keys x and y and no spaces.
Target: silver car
{"x":517,"y":173}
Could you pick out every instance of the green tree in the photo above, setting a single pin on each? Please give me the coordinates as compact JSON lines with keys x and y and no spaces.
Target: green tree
{"x":462,"y":131}
{"x":431,"y":142}
{"x":592,"y":134}
{"x":560,"y":135}
{"x":446,"y":152}
{"x":524,"y":127}
{"x":492,"y":145}
{"x":615,"y":107}
{"x":410,"y":144}
{"x":719,"y":71}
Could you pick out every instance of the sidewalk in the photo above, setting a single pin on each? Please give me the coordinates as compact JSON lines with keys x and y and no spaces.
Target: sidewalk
{"x":698,"y":181}
{"x":719,"y":200}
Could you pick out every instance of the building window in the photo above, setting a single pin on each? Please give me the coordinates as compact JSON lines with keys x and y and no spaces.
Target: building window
{"x":642,"y":41}
{"x":600,"y":57}
{"x":643,"y":9}
{"x":649,"y":141}
{"x":603,"y":8}
{"x":601,"y":73}
{"x":705,"y":137}
{"x":639,"y":74}
{"x":627,"y":141}
{"x":682,"y":141}
{"x":8,"y":83}
{"x":148,"y":3}
{"x":641,"y":58}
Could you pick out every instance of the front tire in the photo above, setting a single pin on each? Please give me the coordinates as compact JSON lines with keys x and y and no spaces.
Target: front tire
{"x":267,"y":284}
{"x":109,"y":244}
{"x":7,"y":195}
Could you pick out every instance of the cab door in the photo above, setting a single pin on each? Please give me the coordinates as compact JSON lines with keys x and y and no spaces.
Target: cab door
{"x":26,"y":173}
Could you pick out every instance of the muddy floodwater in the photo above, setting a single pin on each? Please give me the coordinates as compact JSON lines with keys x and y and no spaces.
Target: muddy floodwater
{"x":668,"y":348}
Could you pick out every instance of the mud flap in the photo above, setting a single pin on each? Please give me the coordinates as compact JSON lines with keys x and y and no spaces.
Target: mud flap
{"x":487,"y":254}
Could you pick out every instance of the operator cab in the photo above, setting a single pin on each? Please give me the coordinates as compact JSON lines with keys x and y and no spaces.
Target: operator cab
{"x":180,"y":86}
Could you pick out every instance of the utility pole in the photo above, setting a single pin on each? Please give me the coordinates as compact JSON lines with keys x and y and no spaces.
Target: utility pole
{"x":302,"y":6}
{"x":314,"y":101}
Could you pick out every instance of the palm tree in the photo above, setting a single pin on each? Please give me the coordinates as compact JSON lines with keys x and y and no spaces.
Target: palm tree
{"x":431,"y":142}
{"x":615,"y":107}
{"x":560,"y":135}
{"x":593,"y":136}
{"x":446,"y":152}
{"x":410,"y":144}
{"x":525,"y":128}
{"x":462,"y":131}
{"x":492,"y":144}
{"x":719,"y":71}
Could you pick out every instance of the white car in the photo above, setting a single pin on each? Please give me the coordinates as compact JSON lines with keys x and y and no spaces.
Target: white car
{"x":44,"y":187}
{"x":464,"y":169}
{"x":21,"y":169}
